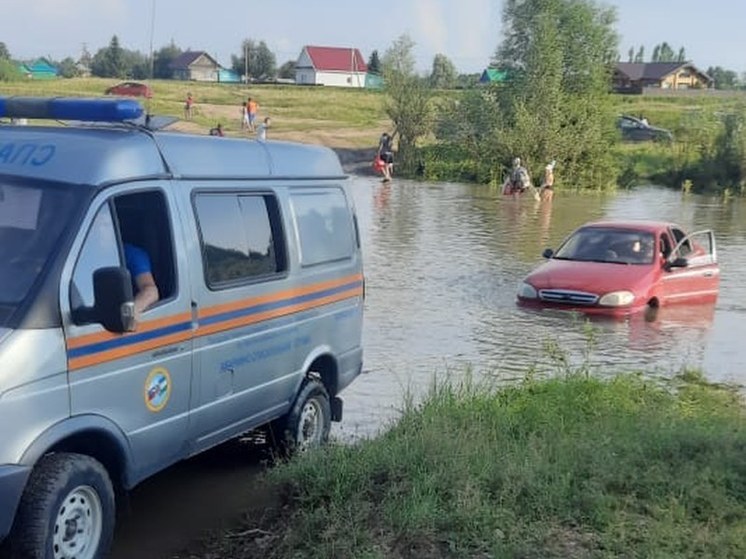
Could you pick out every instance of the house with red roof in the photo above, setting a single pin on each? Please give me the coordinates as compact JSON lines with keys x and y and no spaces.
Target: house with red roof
{"x":335,"y":66}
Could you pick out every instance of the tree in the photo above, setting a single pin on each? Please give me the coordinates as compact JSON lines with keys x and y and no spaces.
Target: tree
{"x":443,"y":75}
{"x":162,"y":60}
{"x":724,"y":79}
{"x":4,"y":52}
{"x":556,"y":104}
{"x":631,"y":54}
{"x":68,"y":68}
{"x":664,"y":53}
{"x":8,"y":71}
{"x":640,"y":56}
{"x":681,"y":57}
{"x":374,"y":63}
{"x":408,"y":100}
{"x":287,"y":70}
{"x":109,"y":62}
{"x":256,"y":60}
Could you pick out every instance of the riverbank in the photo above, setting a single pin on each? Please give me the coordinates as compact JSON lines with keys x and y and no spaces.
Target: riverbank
{"x":569,"y":467}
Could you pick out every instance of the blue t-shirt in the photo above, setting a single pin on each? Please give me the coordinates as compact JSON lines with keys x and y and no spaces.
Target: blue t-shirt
{"x":137,"y":260}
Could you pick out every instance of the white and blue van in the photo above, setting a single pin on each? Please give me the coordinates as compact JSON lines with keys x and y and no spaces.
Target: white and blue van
{"x":250,"y":254}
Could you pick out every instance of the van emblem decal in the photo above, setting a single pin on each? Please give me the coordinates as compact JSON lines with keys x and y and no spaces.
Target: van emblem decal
{"x":157,"y":389}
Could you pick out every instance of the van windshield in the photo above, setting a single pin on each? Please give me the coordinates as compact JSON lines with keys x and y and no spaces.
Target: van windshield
{"x":32,"y":220}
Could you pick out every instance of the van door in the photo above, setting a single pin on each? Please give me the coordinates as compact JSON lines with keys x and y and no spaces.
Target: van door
{"x":245,"y":300}
{"x":140,"y":381}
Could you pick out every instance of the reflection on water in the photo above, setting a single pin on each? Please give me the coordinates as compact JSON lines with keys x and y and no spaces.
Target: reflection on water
{"x":442,"y":264}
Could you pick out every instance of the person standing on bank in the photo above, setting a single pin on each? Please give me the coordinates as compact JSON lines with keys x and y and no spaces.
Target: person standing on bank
{"x":189,"y":107}
{"x":261,"y":131}
{"x":386,"y":153}
{"x":252,"y":107}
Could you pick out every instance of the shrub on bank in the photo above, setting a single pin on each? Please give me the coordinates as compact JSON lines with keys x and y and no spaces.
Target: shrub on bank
{"x":570,"y":467}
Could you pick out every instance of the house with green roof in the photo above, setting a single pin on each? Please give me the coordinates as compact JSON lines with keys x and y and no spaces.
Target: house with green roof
{"x":40,"y":69}
{"x":493,"y":75}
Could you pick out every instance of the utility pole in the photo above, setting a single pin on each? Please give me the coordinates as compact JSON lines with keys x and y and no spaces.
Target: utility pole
{"x":152,"y":32}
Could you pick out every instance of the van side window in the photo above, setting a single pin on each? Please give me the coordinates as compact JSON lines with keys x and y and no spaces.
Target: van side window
{"x":325,"y":229}
{"x":99,"y":250}
{"x":145,"y":228}
{"x":241,"y":237}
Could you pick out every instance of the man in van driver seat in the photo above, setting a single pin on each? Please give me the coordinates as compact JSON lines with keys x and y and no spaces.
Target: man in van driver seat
{"x":143,"y":282}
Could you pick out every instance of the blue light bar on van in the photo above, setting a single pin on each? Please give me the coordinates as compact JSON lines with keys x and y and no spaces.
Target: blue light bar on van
{"x":61,"y":108}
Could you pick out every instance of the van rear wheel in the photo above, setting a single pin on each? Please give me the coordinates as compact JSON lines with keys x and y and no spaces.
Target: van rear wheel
{"x":307,"y":424}
{"x":67,"y":510}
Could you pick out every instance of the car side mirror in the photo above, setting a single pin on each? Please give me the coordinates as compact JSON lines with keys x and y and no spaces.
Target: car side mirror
{"x":679,"y":262}
{"x":114,"y":306}
{"x":548,"y":253}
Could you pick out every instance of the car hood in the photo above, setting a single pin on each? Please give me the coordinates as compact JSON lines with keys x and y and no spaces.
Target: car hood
{"x":590,"y":277}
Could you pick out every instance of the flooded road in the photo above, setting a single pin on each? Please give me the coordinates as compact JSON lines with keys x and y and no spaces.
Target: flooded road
{"x":442,"y":264}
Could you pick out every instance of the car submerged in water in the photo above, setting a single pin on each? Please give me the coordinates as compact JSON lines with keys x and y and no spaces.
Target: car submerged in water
{"x":618,"y":268}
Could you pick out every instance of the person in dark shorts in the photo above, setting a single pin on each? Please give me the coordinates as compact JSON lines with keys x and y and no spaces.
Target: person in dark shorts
{"x":386,"y":153}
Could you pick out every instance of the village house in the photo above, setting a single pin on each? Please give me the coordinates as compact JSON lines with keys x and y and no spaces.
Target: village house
{"x":633,"y":77}
{"x":195,"y":66}
{"x":336,"y":66}
{"x":39,"y":69}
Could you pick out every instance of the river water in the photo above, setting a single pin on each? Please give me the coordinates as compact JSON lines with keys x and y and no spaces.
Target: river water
{"x":443,"y":262}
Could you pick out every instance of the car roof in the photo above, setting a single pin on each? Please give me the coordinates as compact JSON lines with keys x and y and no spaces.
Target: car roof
{"x":649,"y":226}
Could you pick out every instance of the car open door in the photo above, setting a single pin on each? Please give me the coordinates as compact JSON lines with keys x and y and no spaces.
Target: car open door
{"x":691,"y":270}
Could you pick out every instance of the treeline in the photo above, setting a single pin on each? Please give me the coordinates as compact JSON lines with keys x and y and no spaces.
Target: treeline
{"x":555,"y":104}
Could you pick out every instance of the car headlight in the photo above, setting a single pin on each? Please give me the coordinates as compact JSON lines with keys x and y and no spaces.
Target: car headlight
{"x":617,"y":299}
{"x":527,"y":291}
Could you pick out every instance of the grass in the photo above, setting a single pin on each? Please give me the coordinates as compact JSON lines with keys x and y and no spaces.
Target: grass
{"x":567,"y":467}
{"x":336,"y":117}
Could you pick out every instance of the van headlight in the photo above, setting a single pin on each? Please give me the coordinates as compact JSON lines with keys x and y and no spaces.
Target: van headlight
{"x":527,"y":291}
{"x":617,"y":299}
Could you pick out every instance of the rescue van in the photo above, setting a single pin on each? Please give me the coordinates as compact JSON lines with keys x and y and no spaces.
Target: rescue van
{"x":160,"y":293}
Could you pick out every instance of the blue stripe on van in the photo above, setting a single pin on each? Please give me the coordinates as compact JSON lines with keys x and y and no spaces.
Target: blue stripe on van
{"x":128,"y":340}
{"x":256,"y":309}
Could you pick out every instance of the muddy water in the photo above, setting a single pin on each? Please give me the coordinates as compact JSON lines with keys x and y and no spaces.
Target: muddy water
{"x":442,"y":265}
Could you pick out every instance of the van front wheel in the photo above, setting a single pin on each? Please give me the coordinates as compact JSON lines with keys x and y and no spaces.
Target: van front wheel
{"x":309,"y":421}
{"x":67,"y":510}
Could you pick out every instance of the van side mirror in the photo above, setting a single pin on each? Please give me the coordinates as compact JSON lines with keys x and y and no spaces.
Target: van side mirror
{"x":548,"y":253}
{"x":114,"y":306}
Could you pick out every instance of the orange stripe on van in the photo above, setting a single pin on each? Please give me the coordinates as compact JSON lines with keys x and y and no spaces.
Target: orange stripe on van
{"x":278,"y":296}
{"x":146,"y":326}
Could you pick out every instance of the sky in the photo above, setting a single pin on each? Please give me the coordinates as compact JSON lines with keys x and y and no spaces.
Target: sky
{"x":466,"y":31}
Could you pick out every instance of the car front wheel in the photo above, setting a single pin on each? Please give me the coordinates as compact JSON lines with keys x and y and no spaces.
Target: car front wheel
{"x":66,"y":512}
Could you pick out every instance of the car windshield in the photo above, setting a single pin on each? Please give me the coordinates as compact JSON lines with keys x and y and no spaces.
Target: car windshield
{"x":603,"y":244}
{"x":32,"y":220}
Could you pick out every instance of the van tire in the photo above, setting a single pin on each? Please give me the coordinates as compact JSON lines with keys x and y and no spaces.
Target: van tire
{"x":62,"y":486}
{"x":308,"y":423}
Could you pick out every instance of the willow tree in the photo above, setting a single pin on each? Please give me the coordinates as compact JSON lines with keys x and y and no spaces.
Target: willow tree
{"x":407,"y":100}
{"x":558,"y":55}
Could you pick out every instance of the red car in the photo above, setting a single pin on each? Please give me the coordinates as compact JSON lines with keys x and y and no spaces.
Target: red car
{"x":621,"y":267}
{"x":130,"y":89}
